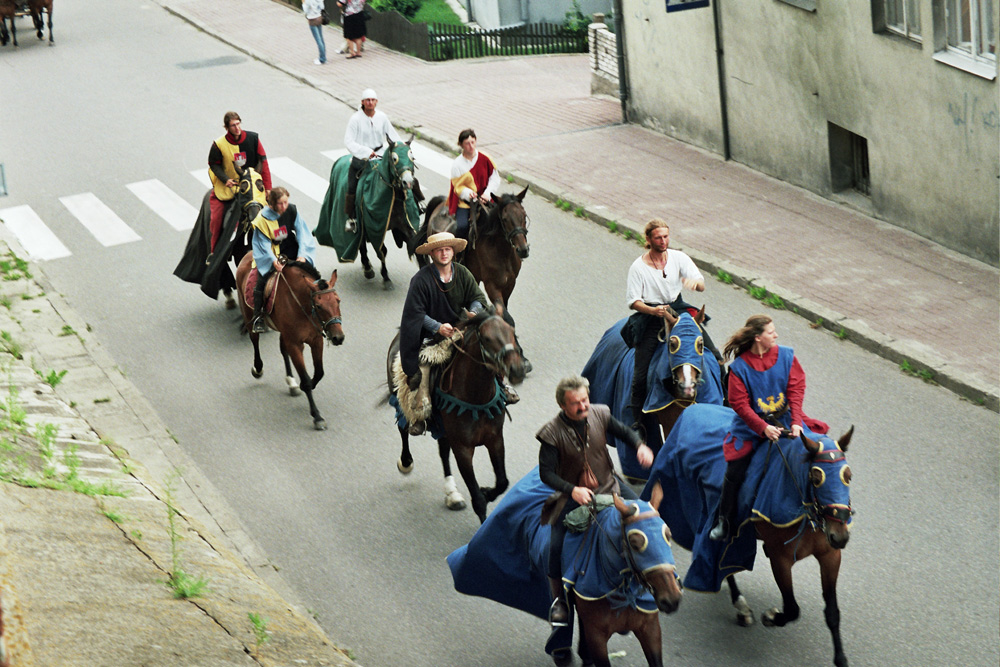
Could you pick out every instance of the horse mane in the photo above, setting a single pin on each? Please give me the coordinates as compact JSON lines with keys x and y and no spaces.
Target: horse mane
{"x":309,"y":270}
{"x":494,"y":211}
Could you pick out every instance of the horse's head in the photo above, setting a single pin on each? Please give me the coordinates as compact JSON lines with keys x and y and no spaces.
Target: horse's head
{"x":250,"y":194}
{"x":398,"y":164}
{"x":646,"y":547}
{"x":686,"y":353}
{"x":326,"y":309}
{"x":513,"y":220}
{"x":497,"y":344}
{"x":830,"y":477}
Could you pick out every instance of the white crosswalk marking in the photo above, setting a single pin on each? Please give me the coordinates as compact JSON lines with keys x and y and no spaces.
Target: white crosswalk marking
{"x":99,"y":220}
{"x":424,"y":157}
{"x":166,"y":203}
{"x":33,"y":235}
{"x":431,"y":159}
{"x":201,"y":175}
{"x":299,"y":177}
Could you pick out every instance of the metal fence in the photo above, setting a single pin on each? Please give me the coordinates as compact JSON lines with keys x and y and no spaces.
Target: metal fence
{"x":456,"y":41}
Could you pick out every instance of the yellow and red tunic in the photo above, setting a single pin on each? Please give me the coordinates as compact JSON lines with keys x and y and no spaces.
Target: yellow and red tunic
{"x":475,"y":177}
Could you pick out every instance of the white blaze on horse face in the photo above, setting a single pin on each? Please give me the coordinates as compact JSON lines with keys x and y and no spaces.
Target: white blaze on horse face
{"x":687,"y":381}
{"x":407,"y":178}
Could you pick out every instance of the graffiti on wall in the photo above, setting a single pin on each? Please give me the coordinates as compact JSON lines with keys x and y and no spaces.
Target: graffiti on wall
{"x":971,"y":114}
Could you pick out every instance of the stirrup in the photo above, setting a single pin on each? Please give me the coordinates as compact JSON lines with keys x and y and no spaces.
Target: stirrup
{"x":559,"y":613}
{"x":258,"y":326}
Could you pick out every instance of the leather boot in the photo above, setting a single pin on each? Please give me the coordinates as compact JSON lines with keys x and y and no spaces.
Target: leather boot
{"x":257,"y":324}
{"x":558,"y":612}
{"x":736,"y":472}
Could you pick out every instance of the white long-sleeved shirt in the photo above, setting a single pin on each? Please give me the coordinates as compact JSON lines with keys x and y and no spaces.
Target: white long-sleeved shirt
{"x":649,"y":285}
{"x":364,"y":134}
{"x":312,"y":8}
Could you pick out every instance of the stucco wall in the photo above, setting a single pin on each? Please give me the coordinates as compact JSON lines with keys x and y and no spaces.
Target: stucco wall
{"x":932,"y":129}
{"x":491,"y":14}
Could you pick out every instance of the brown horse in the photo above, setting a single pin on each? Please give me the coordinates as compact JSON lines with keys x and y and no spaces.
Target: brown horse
{"x":306,"y":311}
{"x":496,"y":246}
{"x":638,"y":550}
{"x":469,"y":403}
{"x":817,"y":482}
{"x":37,"y":7}
{"x":8,"y":11}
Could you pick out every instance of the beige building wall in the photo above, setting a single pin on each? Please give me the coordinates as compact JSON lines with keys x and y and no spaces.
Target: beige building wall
{"x":931,"y":128}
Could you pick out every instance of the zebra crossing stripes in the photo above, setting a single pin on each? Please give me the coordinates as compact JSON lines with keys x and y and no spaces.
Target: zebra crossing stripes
{"x":33,"y":235}
{"x":299,"y":178}
{"x":166,"y":203}
{"x":101,"y":221}
{"x":201,"y":175}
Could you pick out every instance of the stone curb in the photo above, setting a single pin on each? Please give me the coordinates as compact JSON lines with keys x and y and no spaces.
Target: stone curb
{"x":897,"y":351}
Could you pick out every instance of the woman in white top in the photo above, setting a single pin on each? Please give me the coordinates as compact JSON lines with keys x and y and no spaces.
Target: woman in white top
{"x":474,"y":178}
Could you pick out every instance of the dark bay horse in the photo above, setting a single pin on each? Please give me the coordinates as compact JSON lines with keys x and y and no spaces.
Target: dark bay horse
{"x":680,"y":374}
{"x":619,"y":571}
{"x":306,"y":311}
{"x":470,"y":406}
{"x":496,"y":246}
{"x":387,"y":201}
{"x":8,"y":11}
{"x":796,"y":497}
{"x":210,"y":269}
{"x":37,"y":7}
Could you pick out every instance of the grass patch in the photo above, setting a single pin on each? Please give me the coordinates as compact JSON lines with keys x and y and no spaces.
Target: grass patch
{"x":924,"y":374}
{"x":5,"y":301}
{"x":102,"y":400}
{"x":757,"y":292}
{"x":10,"y":346}
{"x":260,"y":632}
{"x":817,"y":324}
{"x":114,"y":516}
{"x":579,"y":212}
{"x":774,"y":301}
{"x":13,"y":267}
{"x":180,"y":582}
{"x":612,"y":226}
{"x":436,"y":11}
{"x":67,"y":330}
{"x":841,"y":334}
{"x":53,"y":378}
{"x":724,"y":277}
{"x":510,"y":179}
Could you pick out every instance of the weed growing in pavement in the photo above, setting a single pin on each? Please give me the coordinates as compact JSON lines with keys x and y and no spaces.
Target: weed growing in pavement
{"x":53,"y":378}
{"x":774,"y":301}
{"x":841,"y":334}
{"x":612,"y":226}
{"x":924,"y":374}
{"x":628,"y":234}
{"x":724,"y":277}
{"x":14,"y":415}
{"x":817,"y":324}
{"x":26,"y":297}
{"x":510,"y":178}
{"x":98,"y":401}
{"x":113,"y":515}
{"x":10,"y":346}
{"x":5,"y":301}
{"x":757,"y":292}
{"x":579,"y":212}
{"x":67,"y":330}
{"x":137,"y":534}
{"x":180,"y":582}
{"x":13,"y":267}
{"x":260,"y":633}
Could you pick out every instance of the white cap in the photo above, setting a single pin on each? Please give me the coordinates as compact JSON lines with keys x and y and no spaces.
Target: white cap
{"x":368,"y":93}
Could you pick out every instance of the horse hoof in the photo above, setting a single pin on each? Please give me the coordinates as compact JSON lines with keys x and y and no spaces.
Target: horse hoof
{"x":369,"y":273}
{"x":230,"y":302}
{"x":257,"y":373}
{"x":454,"y":502}
{"x":562,"y":657}
{"x":768,"y":618}
{"x":387,"y":285}
{"x":319,"y":425}
{"x":745,"y":620}
{"x":293,"y":386}
{"x":406,"y":470}
{"x":293,"y":391}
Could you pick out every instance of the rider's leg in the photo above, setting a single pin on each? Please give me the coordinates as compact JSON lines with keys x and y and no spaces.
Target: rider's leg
{"x":257,"y":324}
{"x":357,"y":166}
{"x":559,"y":611}
{"x":736,"y":472}
{"x":462,"y":223}
{"x":645,"y":346}
{"x":217,"y":211}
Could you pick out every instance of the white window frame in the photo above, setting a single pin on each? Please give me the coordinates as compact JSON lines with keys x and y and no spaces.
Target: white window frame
{"x":911,"y":27}
{"x":968,"y":56}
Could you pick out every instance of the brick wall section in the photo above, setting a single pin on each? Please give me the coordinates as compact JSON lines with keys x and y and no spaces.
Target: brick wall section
{"x":603,"y":51}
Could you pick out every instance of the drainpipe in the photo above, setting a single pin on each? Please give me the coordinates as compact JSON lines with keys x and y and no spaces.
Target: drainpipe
{"x":721,"y":61}
{"x":620,"y":48}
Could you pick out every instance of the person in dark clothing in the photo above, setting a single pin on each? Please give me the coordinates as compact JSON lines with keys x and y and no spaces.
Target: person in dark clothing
{"x":229,"y":154}
{"x":573,"y":460}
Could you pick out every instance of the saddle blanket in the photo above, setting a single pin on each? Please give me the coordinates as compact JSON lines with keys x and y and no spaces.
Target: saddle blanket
{"x":269,"y":290}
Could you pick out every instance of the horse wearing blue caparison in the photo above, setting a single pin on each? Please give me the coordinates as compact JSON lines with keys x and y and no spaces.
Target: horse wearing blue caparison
{"x":385,"y":202}
{"x":795,"y":498}
{"x":680,"y":374}
{"x":619,"y":572}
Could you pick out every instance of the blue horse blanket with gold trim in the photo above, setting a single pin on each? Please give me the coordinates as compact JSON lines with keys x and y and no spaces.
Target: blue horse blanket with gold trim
{"x":690,"y":468}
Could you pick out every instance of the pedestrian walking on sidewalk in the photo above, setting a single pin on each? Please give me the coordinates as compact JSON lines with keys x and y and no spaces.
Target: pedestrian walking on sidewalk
{"x":474,"y":178}
{"x":354,"y":24}
{"x":313,"y":9}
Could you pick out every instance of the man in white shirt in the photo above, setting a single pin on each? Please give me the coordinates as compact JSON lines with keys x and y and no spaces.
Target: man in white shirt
{"x":365,"y":138}
{"x":654,"y":285}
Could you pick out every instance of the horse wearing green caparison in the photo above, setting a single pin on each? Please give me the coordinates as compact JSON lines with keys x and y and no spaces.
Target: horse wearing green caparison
{"x":386,"y":201}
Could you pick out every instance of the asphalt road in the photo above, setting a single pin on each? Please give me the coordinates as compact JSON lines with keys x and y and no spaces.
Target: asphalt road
{"x":131,"y":93}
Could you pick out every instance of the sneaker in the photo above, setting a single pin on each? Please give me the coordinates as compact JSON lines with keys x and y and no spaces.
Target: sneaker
{"x":318,"y":62}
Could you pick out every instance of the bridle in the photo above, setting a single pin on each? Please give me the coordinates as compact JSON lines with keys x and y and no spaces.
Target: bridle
{"x":313,"y":316}
{"x":515,"y":229}
{"x":491,"y":360}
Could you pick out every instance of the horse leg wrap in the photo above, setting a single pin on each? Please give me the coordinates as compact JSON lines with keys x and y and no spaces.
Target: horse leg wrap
{"x":452,"y":498}
{"x":293,"y":385}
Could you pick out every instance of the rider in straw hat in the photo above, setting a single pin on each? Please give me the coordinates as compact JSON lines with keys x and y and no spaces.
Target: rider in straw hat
{"x":440,"y":294}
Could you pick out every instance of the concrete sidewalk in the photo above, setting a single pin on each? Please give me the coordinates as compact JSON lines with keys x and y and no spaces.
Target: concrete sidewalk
{"x":886,"y":289}
{"x":86,"y":547}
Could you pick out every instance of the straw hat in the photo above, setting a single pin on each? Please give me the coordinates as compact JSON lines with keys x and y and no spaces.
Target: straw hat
{"x":440,"y":240}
